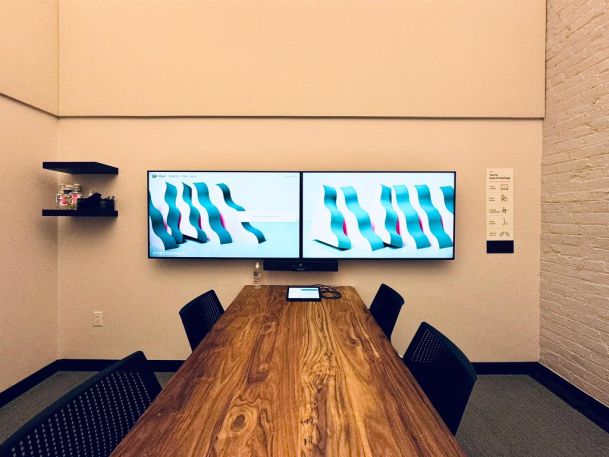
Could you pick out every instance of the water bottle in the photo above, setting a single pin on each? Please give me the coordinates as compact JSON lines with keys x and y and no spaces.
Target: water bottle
{"x":257,"y":279}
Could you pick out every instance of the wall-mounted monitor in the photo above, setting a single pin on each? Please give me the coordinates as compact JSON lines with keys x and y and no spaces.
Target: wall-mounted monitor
{"x":378,"y":215}
{"x":217,"y":214}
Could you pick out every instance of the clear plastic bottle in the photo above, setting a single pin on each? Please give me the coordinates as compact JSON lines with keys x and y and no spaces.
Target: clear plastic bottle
{"x":257,"y":277}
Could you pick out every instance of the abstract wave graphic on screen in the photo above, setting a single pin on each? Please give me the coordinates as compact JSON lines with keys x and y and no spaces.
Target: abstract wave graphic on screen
{"x":449,"y":197}
{"x":331,"y":227}
{"x":215,"y":218}
{"x":363,"y":219}
{"x":413,"y":221}
{"x":174,"y":215}
{"x":158,"y":226}
{"x":379,"y":217}
{"x":246,"y":225}
{"x":223,"y":214}
{"x":195,"y":215}
{"x":391,"y":219}
{"x":435,"y":220}
{"x":171,"y":226}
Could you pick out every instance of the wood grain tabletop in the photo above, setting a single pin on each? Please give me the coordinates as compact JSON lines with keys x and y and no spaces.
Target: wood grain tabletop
{"x":281,"y":379}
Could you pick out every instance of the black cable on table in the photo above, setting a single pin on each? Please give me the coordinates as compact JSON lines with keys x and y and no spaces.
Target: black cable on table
{"x":328,"y":292}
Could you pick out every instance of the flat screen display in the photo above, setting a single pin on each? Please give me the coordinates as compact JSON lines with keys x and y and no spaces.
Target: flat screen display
{"x":214,"y":214}
{"x":378,"y":215}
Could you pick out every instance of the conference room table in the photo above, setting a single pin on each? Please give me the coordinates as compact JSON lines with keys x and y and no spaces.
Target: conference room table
{"x":292,"y":379}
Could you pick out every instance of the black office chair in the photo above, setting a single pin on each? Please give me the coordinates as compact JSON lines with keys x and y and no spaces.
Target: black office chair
{"x":91,"y":419}
{"x":386,"y":308}
{"x":200,"y":315}
{"x":444,"y":373}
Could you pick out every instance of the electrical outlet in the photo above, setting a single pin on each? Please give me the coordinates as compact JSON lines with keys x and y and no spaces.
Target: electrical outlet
{"x":98,"y":319}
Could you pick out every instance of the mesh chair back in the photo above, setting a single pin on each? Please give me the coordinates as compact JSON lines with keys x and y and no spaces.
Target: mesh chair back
{"x":91,"y":419}
{"x":200,"y":315}
{"x":386,"y":308}
{"x":444,"y":373}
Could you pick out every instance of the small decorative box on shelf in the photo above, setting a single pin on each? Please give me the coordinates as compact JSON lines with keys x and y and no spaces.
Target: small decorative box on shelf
{"x":83,"y":168}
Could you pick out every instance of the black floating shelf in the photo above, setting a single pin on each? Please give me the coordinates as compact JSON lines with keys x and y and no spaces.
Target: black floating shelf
{"x":80,"y":213}
{"x":83,"y":168}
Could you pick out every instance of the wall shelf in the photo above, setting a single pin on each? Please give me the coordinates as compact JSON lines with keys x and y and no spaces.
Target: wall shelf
{"x":82,"y":168}
{"x":80,"y":213}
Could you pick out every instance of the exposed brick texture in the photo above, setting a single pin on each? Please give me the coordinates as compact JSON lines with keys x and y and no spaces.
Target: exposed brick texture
{"x":575,"y":196}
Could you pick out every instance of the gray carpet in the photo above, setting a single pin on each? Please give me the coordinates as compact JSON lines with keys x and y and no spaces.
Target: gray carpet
{"x":164,"y":377}
{"x":511,"y":416}
{"x":507,"y":416}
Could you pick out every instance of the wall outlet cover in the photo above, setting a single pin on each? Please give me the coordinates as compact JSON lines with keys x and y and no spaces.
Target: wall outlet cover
{"x":98,"y":319}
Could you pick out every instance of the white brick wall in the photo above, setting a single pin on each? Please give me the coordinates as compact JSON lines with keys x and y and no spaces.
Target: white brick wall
{"x":575,"y":196}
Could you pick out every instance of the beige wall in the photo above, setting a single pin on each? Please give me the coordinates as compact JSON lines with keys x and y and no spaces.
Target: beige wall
{"x":575,"y":194}
{"x":28,"y":248}
{"x":103,"y":264}
{"x":413,"y":59}
{"x":417,"y":58}
{"x":29,"y":52}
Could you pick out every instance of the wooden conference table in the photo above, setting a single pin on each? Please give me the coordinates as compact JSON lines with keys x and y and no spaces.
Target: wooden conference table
{"x":292,"y":379}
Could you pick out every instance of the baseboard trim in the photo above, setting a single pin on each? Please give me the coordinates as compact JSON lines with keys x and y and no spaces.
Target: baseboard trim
{"x":576,"y":398}
{"x":100,"y":364}
{"x":166,"y":365}
{"x":27,"y":383}
{"x":84,"y":364}
{"x":32,"y":380}
{"x":505,"y":367}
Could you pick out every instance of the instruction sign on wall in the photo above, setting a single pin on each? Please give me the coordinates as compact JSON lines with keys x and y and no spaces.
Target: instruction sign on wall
{"x":499,"y":210}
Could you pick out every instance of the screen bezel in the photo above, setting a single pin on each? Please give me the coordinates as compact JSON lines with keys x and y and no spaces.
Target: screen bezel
{"x":453,"y":172}
{"x":299,"y":173}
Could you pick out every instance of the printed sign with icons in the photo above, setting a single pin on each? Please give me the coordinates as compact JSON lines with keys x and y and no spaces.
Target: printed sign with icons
{"x":500,"y":210}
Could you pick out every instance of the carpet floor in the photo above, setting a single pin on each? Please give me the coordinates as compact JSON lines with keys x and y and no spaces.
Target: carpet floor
{"x":507,"y":416}
{"x":510,"y":416}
